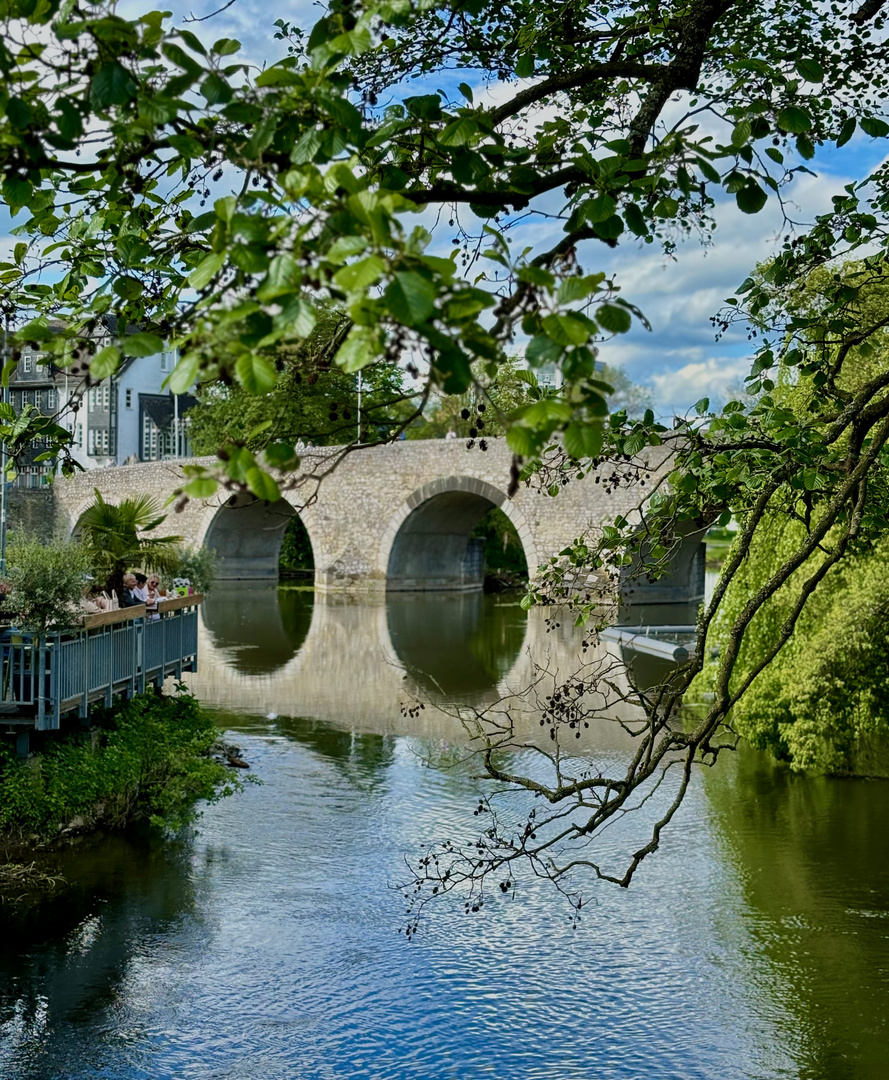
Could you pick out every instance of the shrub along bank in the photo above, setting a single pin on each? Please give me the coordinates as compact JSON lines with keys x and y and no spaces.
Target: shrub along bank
{"x":823,"y":704}
{"x":147,"y":760}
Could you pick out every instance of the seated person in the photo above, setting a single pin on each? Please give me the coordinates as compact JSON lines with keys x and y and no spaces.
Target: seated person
{"x":141,"y":589}
{"x":128,"y":596}
{"x":154,"y":594}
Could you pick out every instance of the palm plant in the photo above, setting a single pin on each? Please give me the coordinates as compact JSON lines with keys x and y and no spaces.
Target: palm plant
{"x":115,"y":538}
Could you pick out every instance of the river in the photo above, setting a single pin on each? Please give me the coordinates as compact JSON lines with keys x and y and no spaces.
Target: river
{"x":754,"y":944}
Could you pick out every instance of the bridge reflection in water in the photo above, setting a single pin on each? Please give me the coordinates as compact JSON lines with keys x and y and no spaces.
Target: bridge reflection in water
{"x":294,"y":653}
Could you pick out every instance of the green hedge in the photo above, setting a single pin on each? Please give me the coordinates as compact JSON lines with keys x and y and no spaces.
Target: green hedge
{"x":146,"y":759}
{"x":823,"y":704}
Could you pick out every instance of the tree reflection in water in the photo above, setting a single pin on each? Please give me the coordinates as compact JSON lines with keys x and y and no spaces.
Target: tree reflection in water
{"x":67,"y":961}
{"x":818,"y":894}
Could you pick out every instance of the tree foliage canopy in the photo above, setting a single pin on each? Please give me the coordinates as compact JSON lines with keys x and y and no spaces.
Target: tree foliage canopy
{"x":159,"y":178}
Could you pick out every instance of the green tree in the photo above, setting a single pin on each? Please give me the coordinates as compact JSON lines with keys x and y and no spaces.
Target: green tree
{"x":47,"y":582}
{"x":823,"y":702}
{"x":121,"y":536}
{"x":312,"y":402}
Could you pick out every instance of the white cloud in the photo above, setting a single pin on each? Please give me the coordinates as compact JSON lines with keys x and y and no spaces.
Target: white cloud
{"x":714,"y":377}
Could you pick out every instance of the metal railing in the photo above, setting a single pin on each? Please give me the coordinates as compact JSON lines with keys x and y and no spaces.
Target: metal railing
{"x":116,"y":652}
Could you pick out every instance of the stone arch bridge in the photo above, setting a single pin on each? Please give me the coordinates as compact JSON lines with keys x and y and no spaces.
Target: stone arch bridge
{"x":395,"y":517}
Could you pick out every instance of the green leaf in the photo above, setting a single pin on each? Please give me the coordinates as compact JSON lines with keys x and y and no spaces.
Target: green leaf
{"x":795,"y":120}
{"x":846,"y":131}
{"x":576,"y":288}
{"x":143,"y":345}
{"x":598,"y":209}
{"x":523,"y":441}
{"x":805,"y":147}
{"x":281,"y":456}
{"x":466,"y":90}
{"x":226,"y":46}
{"x":666,"y":208}
{"x":459,"y":132}
{"x":360,"y":348}
{"x":361,"y":274}
{"x":537,"y":275}
{"x":202,"y":487}
{"x":810,"y":70}
{"x":262,"y":485}
{"x":410,"y":298}
{"x":111,"y":85}
{"x":307,"y":147}
{"x":128,"y":288}
{"x":193,"y":42}
{"x":525,"y":66}
{"x":16,"y":191}
{"x":877,"y":129}
{"x":255,"y":373}
{"x":741,"y":134}
{"x":180,"y":58}
{"x":282,"y":277}
{"x":751,"y":198}
{"x":105,"y":363}
{"x":206,"y":270}
{"x":635,"y":219}
{"x":542,"y":350}
{"x":616,"y":320}
{"x":184,"y":375}
{"x":583,"y":440}
{"x":610,"y":228}
{"x":216,"y":90}
{"x":299,"y":318}
{"x":566,"y":329}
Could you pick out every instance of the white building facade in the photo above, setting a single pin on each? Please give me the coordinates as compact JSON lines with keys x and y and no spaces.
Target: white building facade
{"x":125,"y":418}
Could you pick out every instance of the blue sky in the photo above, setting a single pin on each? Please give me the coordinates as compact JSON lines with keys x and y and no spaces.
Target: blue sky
{"x":680,"y":359}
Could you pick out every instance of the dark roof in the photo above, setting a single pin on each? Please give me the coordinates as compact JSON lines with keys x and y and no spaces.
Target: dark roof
{"x":161,"y":409}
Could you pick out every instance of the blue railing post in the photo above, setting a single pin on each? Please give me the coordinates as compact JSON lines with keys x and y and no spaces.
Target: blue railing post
{"x":38,"y":680}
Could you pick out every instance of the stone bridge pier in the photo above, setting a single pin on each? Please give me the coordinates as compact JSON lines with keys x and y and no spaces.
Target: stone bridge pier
{"x":394,"y":517}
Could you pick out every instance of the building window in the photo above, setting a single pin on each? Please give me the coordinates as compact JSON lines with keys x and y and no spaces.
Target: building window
{"x":129,"y":398}
{"x":78,"y":438}
{"x":157,"y":443}
{"x":99,"y":442}
{"x":51,"y":401}
{"x":150,"y":447}
{"x":27,"y":363}
{"x":166,"y":361}
{"x":100,"y":397}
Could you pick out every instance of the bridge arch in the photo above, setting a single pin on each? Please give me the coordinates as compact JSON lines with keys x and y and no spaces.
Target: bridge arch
{"x":246,"y":533}
{"x":426,"y":544}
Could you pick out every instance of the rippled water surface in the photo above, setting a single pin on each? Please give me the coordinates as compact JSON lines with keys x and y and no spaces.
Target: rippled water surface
{"x":755,"y":944}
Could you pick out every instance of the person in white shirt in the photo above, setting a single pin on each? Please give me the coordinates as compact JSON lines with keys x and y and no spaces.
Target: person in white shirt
{"x":141,"y":589}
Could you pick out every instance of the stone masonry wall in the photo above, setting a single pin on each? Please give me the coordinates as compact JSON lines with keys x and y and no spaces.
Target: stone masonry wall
{"x":354,"y":514}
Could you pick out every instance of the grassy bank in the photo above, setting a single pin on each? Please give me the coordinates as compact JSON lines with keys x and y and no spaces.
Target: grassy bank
{"x":145,"y":760}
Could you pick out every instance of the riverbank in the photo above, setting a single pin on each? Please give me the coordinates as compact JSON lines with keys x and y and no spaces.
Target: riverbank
{"x":147,"y":760}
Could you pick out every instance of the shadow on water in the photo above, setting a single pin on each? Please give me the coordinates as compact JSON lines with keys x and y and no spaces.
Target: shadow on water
{"x":260,"y":627}
{"x":811,"y":854}
{"x":456,"y":645}
{"x":65,"y":963}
